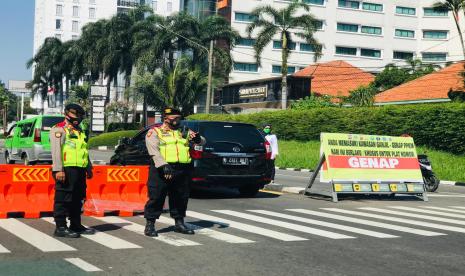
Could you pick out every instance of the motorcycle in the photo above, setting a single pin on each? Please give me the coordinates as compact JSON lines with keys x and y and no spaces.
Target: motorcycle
{"x":429,"y":178}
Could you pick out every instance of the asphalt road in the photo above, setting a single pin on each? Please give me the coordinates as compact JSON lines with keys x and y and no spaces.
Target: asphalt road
{"x":273,"y":234}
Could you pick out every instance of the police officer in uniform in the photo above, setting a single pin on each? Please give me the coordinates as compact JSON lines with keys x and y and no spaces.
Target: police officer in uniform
{"x":170,"y":168}
{"x":71,"y":167}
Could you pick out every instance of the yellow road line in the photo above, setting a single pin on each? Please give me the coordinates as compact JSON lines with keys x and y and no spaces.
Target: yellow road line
{"x":271,"y":192}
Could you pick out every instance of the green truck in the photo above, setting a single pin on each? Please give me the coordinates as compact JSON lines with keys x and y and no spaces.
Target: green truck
{"x":28,"y":140}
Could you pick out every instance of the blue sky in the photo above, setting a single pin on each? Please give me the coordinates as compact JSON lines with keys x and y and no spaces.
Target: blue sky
{"x":16,"y":39}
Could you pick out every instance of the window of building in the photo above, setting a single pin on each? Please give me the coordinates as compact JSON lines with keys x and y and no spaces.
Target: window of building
{"x":276,"y":69}
{"x":346,"y":51}
{"x":434,"y":56}
{"x":58,"y":24}
{"x":91,"y":13}
{"x":305,"y":47}
{"x":372,"y":7}
{"x":75,"y":11}
{"x":347,"y":27}
{"x":348,"y":4}
{"x":435,"y":12}
{"x":278,"y":45}
{"x":318,"y":24}
{"x":402,"y":55}
{"x":59,"y":10}
{"x":314,"y":2}
{"x":244,"y":17}
{"x":75,"y":26}
{"x":246,"y":41}
{"x":371,"y":30}
{"x":169,"y":7}
{"x":405,"y":10}
{"x":435,"y":34}
{"x":370,"y":53}
{"x":155,"y":5}
{"x":245,"y":67}
{"x":405,"y":33}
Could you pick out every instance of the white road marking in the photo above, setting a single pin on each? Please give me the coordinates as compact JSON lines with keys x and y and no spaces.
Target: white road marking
{"x":4,"y":249}
{"x":406,"y":214}
{"x":41,"y":241}
{"x":105,"y":239}
{"x":327,"y":224}
{"x":87,"y":267}
{"x":368,"y":222}
{"x":245,"y":227}
{"x":431,"y":212}
{"x":139,"y":229}
{"x":460,"y":207}
{"x":446,"y":209}
{"x":292,"y":226}
{"x":209,"y":232}
{"x":401,"y":220}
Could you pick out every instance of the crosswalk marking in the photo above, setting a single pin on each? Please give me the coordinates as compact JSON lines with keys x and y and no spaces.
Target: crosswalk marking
{"x":4,"y":250}
{"x":460,"y":207}
{"x":245,"y":227}
{"x":293,"y":226}
{"x":209,"y":232}
{"x":34,"y":237}
{"x":368,"y":222}
{"x":105,"y":239}
{"x":453,"y":221}
{"x":139,"y":229}
{"x":87,"y":267}
{"x":327,"y":224}
{"x":402,"y":220}
{"x":446,"y":209}
{"x":431,"y":212}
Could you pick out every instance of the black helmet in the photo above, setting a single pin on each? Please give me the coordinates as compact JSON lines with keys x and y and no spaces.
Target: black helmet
{"x":77,"y":108}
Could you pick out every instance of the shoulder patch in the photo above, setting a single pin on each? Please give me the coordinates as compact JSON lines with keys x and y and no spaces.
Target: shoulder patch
{"x":57,"y":134}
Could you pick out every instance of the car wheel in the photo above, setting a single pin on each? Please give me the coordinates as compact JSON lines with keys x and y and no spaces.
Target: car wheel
{"x":26,"y":161}
{"x":249,"y":190}
{"x":8,"y":159}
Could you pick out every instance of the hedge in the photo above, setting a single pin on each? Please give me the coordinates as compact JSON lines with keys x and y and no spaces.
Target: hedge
{"x":438,"y":126}
{"x":110,"y":138}
{"x":123,"y":126}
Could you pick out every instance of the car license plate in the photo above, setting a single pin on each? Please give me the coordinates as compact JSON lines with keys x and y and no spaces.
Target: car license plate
{"x":235,"y":161}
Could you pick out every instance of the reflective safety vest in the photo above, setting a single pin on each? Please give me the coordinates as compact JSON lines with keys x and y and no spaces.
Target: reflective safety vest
{"x":74,"y":152}
{"x":173,"y":147}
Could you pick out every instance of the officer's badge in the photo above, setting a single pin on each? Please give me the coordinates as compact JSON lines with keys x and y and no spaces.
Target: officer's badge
{"x":58,"y":134}
{"x":167,"y":110}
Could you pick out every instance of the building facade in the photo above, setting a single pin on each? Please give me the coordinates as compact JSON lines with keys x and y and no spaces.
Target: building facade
{"x":368,"y":34}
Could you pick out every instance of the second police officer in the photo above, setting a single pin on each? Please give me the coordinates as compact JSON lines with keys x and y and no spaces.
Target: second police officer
{"x":170,"y":168}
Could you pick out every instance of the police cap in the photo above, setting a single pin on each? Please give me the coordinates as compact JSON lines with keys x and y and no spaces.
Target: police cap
{"x":171,"y":111}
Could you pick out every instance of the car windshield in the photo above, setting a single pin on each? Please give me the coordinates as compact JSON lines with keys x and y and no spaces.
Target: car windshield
{"x":242,"y":135}
{"x":49,"y":122}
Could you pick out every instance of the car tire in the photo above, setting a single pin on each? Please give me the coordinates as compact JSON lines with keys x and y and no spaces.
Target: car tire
{"x":8,"y":159}
{"x":26,"y":161}
{"x":249,"y":190}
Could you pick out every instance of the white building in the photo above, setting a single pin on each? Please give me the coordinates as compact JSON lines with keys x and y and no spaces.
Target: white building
{"x":367,"y":34}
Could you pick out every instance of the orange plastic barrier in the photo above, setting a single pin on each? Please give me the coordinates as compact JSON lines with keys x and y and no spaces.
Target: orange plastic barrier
{"x":26,"y":191}
{"x":29,"y":190}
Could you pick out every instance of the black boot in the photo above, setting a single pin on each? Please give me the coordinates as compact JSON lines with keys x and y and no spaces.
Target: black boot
{"x":150,"y":229}
{"x":180,"y":227}
{"x":65,"y":232}
{"x":77,"y":227}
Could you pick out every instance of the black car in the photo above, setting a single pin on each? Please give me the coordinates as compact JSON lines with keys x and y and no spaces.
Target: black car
{"x":234,"y":156}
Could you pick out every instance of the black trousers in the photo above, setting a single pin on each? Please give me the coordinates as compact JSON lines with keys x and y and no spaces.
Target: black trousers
{"x":272,"y":168}
{"x":177,"y":189}
{"x":69,"y":196}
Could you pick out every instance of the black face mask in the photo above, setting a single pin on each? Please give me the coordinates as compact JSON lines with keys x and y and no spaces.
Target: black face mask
{"x":74,"y":121}
{"x":174,"y":124}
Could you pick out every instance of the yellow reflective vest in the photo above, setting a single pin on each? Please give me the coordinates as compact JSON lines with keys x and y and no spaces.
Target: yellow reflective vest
{"x":74,"y":151}
{"x":173,"y":147}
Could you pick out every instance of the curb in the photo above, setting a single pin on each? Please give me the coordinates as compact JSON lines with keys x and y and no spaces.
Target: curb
{"x":452,"y":183}
{"x":293,"y":169}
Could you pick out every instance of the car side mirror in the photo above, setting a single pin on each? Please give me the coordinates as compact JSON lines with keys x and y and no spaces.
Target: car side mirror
{"x":124,"y":141}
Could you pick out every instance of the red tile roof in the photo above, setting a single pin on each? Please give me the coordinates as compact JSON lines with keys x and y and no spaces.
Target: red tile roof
{"x":430,"y":87}
{"x":335,"y":78}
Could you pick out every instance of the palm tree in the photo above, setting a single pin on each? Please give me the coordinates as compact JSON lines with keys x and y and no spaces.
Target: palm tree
{"x":72,"y":63}
{"x":455,"y":6}
{"x":287,"y":25}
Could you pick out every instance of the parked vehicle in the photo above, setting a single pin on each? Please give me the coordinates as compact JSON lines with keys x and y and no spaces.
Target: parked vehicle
{"x":429,"y":178}
{"x":28,"y":140}
{"x":234,"y":156}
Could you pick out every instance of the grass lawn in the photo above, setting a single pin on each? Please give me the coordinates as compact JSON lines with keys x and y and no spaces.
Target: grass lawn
{"x":295,"y":154}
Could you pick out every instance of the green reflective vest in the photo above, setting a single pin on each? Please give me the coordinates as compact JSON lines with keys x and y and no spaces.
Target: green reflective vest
{"x":173,"y":147}
{"x":74,"y":152}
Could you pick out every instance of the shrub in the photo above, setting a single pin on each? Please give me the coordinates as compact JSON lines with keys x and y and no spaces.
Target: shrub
{"x":438,"y":126}
{"x":112,"y":127}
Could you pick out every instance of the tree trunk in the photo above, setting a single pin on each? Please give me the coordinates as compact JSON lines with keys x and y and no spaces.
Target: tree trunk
{"x":459,"y":29}
{"x":67,"y":89}
{"x":61,"y":94}
{"x":284,"y":72}
{"x":126,"y":100}
{"x":115,"y":85}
